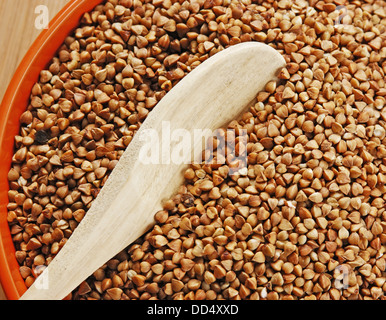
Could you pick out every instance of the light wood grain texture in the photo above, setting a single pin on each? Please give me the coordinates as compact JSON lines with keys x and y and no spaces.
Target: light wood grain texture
{"x":17,"y":33}
{"x":209,"y":97}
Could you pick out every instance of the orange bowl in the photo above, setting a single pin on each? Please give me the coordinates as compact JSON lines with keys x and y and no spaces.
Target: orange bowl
{"x":14,"y":103}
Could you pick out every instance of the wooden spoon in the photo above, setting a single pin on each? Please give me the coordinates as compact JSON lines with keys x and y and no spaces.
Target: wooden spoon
{"x":209,"y":97}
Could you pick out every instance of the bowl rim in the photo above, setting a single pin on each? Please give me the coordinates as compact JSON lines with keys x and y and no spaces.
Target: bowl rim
{"x":14,"y":103}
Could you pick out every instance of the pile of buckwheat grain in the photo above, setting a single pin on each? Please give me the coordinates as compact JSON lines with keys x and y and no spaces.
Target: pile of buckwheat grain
{"x":306,"y":220}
